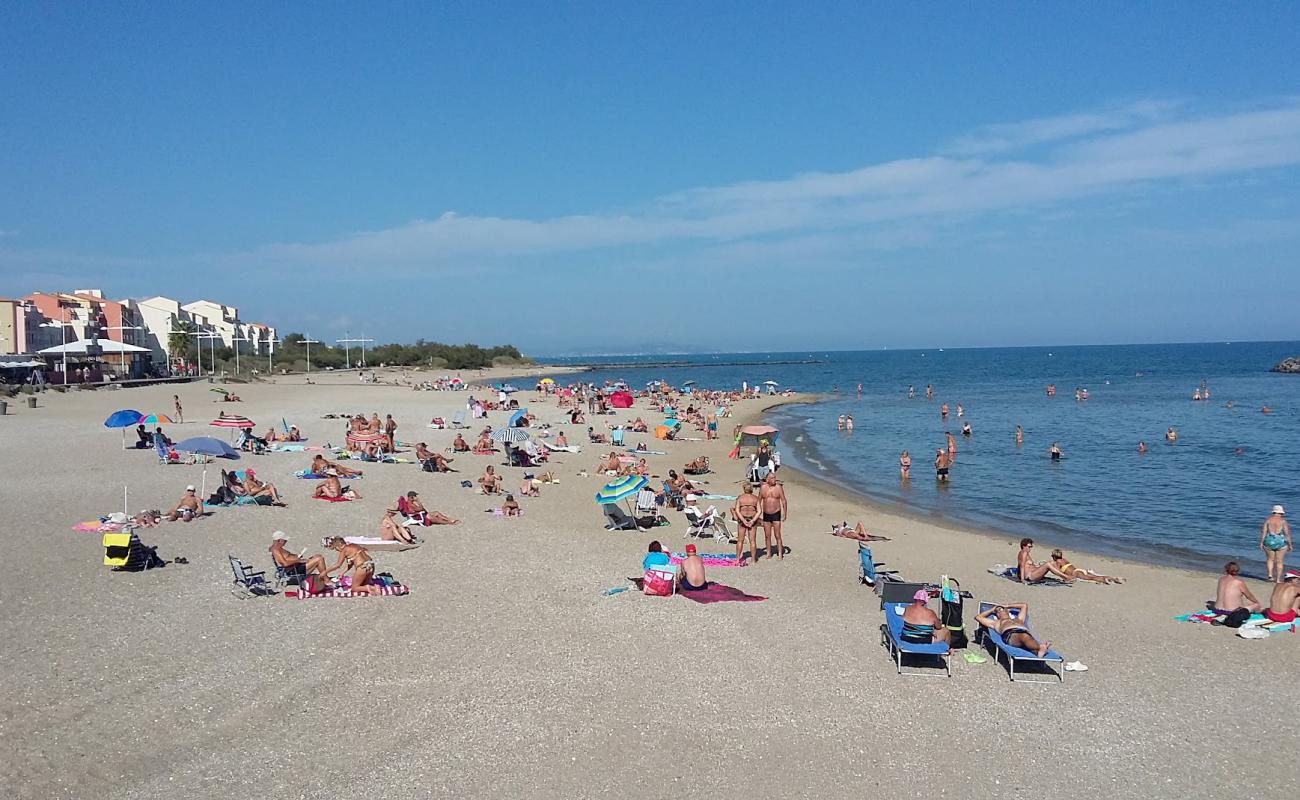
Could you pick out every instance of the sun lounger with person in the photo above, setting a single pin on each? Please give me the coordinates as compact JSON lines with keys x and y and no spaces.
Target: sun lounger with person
{"x":1013,"y":631}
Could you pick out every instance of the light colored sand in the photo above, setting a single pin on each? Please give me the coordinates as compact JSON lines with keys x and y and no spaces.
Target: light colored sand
{"x":507,"y":674}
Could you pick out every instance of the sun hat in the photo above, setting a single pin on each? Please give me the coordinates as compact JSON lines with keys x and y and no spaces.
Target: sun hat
{"x":690,"y":548}
{"x":921,"y":596}
{"x":1279,"y":510}
{"x":1291,"y":575}
{"x":690,"y":498}
{"x":279,"y":536}
{"x":189,"y":488}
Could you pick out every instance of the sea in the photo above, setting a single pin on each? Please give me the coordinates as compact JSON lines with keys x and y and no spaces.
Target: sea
{"x":1193,"y":503}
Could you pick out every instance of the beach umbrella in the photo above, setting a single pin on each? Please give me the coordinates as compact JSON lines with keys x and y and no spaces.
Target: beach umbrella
{"x":155,"y":419}
{"x":510,"y":435}
{"x":515,"y":417}
{"x":205,"y":446}
{"x":232,"y":421}
{"x":771,"y":383}
{"x":126,"y":418}
{"x":620,"y":489}
{"x":547,"y":380}
{"x":688,"y":383}
{"x":620,"y":400}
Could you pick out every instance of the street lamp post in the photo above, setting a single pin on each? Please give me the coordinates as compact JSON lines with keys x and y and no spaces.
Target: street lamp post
{"x":199,"y":348}
{"x":270,"y":351}
{"x":236,"y":340}
{"x":351,"y":339}
{"x":309,"y":342}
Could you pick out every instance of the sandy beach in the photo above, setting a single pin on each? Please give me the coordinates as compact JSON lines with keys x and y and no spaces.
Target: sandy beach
{"x":508,"y":673}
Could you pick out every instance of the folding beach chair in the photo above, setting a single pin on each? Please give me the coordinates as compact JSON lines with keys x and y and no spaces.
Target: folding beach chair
{"x":616,"y":437}
{"x":290,"y":576}
{"x":671,"y":498}
{"x":458,"y":420}
{"x":891,"y":633}
{"x":248,"y":583}
{"x":867,"y":569}
{"x":702,"y":522}
{"x":1000,"y":649}
{"x":616,"y":519}
{"x":124,"y":552}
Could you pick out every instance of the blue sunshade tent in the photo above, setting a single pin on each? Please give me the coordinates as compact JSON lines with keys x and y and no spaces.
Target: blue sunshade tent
{"x":126,"y":418}
{"x":620,"y":489}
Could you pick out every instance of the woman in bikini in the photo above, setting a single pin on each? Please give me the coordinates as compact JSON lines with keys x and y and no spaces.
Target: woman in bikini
{"x":355,"y":558}
{"x":1071,"y":571}
{"x":904,"y":465}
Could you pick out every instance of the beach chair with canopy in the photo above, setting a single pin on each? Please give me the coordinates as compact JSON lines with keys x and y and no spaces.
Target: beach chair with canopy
{"x":1011,"y":654}
{"x":891,"y":633}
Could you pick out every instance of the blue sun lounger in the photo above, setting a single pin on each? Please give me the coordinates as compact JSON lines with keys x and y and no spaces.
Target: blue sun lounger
{"x":891,"y":638}
{"x":1011,"y":654}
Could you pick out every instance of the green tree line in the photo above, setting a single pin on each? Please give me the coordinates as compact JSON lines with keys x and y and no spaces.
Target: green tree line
{"x":422,"y":353}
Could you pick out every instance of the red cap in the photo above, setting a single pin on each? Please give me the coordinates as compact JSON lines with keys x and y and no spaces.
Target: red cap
{"x":690,"y":548}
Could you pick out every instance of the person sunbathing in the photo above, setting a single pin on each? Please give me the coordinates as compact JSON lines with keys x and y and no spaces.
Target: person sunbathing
{"x":858,"y":532}
{"x":510,"y":508}
{"x":144,"y":440}
{"x":424,"y":455}
{"x":484,"y":444}
{"x":417,"y":509}
{"x":393,"y":531}
{"x":147,"y":518}
{"x":596,"y":438}
{"x":698,"y":466}
{"x":576,"y":417}
{"x":529,"y":487}
{"x":1013,"y":631}
{"x":639,"y":426}
{"x":459,"y":445}
{"x":1232,"y":593}
{"x":256,"y":488}
{"x":321,"y":466}
{"x":1069,"y":570}
{"x":490,"y":482}
{"x":1029,"y":572}
{"x":561,"y":440}
{"x":690,"y":574}
{"x":355,"y":558}
{"x":610,"y":464}
{"x":332,"y":488}
{"x":310,"y":569}
{"x":187,"y":508}
{"x":921,"y":625}
{"x":231,"y":481}
{"x":679,"y":485}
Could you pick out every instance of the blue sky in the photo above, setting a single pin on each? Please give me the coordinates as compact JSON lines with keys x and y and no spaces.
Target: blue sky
{"x":710,"y":176}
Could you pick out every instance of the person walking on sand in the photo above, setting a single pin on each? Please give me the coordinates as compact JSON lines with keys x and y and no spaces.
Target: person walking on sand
{"x":1275,"y":541}
{"x":176,"y":404}
{"x":1232,"y":593}
{"x":776,"y":508}
{"x":747,"y":515}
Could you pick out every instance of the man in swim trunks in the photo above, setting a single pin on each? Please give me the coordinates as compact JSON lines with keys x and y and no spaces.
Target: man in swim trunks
{"x":1013,"y":631}
{"x":1285,"y":601}
{"x":187,"y":508}
{"x":921,"y":625}
{"x":711,"y":426}
{"x":1275,"y":541}
{"x":1232,"y":593}
{"x":690,"y":575}
{"x":310,"y":569}
{"x":776,"y":508}
{"x":489,"y":483}
{"x":747,"y":515}
{"x":321,"y":465}
{"x":331,"y":487}
{"x":941,"y":463}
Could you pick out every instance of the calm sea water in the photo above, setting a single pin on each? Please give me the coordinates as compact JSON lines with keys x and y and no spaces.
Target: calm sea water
{"x":1195,"y":502}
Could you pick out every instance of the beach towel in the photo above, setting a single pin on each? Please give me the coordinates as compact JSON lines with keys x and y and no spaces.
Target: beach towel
{"x":1013,"y":574}
{"x":710,"y":559}
{"x":497,"y":512}
{"x":717,"y":496}
{"x":343,"y":499}
{"x":384,"y":591}
{"x":375,"y":543}
{"x":634,"y":451}
{"x":100,"y":526}
{"x":291,"y":447}
{"x":312,"y":476}
{"x":572,"y":448}
{"x":718,"y":593}
{"x":1254,"y":621}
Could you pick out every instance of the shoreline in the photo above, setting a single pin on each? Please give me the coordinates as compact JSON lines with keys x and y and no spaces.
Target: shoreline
{"x":810,"y":481}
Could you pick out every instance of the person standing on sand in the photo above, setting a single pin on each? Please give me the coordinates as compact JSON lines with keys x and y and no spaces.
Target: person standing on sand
{"x":390,"y":427}
{"x":1275,"y":541}
{"x":747,"y":515}
{"x":1020,"y":436}
{"x":775,"y":510}
{"x":1232,"y":593}
{"x":941,"y":465}
{"x":176,"y":403}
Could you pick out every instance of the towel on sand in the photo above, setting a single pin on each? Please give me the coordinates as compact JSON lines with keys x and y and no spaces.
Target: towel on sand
{"x":312,"y":476}
{"x":1013,"y":574}
{"x":343,"y":499}
{"x":388,"y":591}
{"x":717,"y":593}
{"x":375,"y":543}
{"x":709,"y":559}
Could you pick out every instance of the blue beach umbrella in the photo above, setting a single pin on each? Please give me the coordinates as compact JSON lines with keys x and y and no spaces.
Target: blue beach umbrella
{"x":620,"y":489}
{"x":205,"y":446}
{"x":515,"y":417}
{"x":123,"y":419}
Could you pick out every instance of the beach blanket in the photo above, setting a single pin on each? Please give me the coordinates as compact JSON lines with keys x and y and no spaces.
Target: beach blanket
{"x":312,"y":476}
{"x":718,"y":593}
{"x":710,"y":559}
{"x":1013,"y":574}
{"x":634,"y":451}
{"x":99,"y":526}
{"x":1206,"y":617}
{"x":717,"y":496}
{"x":343,"y":499}
{"x":375,"y":543}
{"x":295,"y":447}
{"x":572,"y":448}
{"x":384,"y":591}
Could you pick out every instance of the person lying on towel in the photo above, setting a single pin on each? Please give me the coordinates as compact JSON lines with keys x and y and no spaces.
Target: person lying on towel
{"x":459,"y":445}
{"x":510,"y":508}
{"x":332,"y":488}
{"x":320,"y":465}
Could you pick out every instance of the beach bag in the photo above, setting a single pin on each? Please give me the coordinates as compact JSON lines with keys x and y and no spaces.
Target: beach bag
{"x":658,"y":582}
{"x":428,"y":466}
{"x":1237,"y":618}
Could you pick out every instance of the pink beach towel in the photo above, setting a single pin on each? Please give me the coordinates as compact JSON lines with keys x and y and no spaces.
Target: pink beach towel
{"x":384,"y":591}
{"x":710,"y":559}
{"x":343,"y":499}
{"x":717,"y":593}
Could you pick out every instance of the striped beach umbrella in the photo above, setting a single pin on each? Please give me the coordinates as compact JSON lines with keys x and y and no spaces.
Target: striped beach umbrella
{"x":232,"y":421}
{"x":155,"y":419}
{"x":510,"y":435}
{"x":366,"y":437}
{"x":620,"y":489}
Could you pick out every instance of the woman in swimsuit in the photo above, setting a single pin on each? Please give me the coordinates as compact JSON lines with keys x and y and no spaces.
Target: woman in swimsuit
{"x":1079,"y":573}
{"x":356,"y":558}
{"x":1013,"y":631}
{"x":1275,"y":541}
{"x":904,"y":465}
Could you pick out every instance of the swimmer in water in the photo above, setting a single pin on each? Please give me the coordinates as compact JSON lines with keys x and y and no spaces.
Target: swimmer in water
{"x":952,"y":444}
{"x":1020,"y":436}
{"x":1266,"y":410}
{"x":965,"y":429}
{"x":841,"y":422}
{"x":1142,"y":447}
{"x":1055,"y":452}
{"x":911,"y":392}
{"x":943,"y":411}
{"x":904,"y":465}
{"x":848,"y":424}
{"x":961,"y":412}
{"x":929,"y":392}
{"x":1228,"y":404}
{"x":1171,"y":435}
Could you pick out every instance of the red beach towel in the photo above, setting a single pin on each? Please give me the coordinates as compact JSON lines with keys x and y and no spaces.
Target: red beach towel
{"x":717,"y":593}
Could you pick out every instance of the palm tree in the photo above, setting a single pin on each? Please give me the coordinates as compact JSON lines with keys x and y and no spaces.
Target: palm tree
{"x":178,"y":340}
